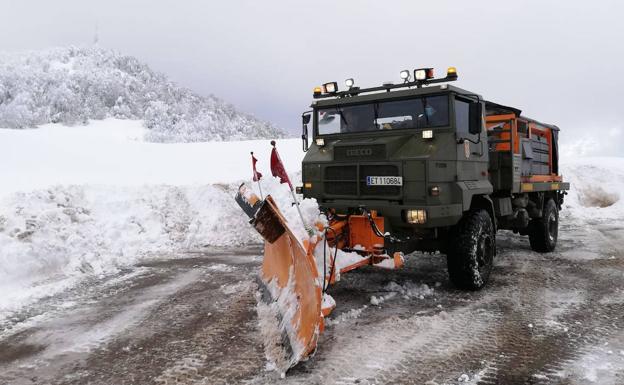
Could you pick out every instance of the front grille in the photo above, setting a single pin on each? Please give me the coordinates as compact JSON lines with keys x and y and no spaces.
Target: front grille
{"x":347,"y":181}
{"x":334,"y":173}
{"x":341,"y":188}
{"x":341,"y":180}
{"x":378,"y":170}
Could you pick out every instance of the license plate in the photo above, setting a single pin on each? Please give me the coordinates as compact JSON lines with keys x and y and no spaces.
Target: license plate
{"x":384,"y":181}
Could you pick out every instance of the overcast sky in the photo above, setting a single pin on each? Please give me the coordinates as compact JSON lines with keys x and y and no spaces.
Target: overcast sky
{"x":560,"y":61}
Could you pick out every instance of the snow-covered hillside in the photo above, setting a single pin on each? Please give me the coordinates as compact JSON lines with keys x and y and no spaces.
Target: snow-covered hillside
{"x":110,"y":152}
{"x":74,"y":85}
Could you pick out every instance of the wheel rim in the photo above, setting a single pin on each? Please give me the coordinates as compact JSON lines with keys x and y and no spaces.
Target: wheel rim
{"x":484,"y":254}
{"x":552,"y":226}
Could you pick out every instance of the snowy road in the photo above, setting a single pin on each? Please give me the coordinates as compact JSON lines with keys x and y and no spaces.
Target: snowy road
{"x":555,"y":318}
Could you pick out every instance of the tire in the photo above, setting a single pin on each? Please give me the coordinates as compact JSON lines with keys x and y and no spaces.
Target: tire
{"x":543,"y":232}
{"x":471,"y":252}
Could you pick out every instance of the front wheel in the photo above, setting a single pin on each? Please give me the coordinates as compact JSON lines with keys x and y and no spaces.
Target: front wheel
{"x":471,"y":253}
{"x":543,"y":232}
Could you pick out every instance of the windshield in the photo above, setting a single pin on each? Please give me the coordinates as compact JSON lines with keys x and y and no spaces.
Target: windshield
{"x":420,"y":112}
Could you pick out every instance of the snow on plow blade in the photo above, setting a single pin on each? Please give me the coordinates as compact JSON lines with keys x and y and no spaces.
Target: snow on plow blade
{"x":289,"y":306}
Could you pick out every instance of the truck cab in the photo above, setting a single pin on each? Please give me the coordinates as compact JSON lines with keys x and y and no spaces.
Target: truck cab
{"x":416,"y":156}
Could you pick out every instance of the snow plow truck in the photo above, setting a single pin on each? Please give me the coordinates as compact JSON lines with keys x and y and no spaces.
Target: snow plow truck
{"x":416,"y":166}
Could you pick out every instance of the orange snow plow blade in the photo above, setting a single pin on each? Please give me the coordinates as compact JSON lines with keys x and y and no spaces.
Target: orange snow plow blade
{"x":292,"y":305}
{"x":291,"y":292}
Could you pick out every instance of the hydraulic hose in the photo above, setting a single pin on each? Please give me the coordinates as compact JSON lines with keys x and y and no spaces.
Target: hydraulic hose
{"x":333,"y":266}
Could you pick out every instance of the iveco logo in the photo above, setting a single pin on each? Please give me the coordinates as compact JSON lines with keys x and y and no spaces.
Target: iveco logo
{"x":359,"y":152}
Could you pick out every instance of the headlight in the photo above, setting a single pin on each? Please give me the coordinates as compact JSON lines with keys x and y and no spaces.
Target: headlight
{"x":423,"y":73}
{"x":427,"y":134}
{"x":331,"y":88}
{"x":420,"y":74}
{"x":405,"y":75}
{"x":349,"y":83}
{"x":320,"y":142}
{"x":417,"y":217}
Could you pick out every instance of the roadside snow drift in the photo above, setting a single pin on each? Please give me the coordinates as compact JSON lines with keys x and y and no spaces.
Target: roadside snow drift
{"x":597,"y":188}
{"x":77,"y":201}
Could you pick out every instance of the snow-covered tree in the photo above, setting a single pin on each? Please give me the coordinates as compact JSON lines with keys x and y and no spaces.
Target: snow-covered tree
{"x":73,"y":85}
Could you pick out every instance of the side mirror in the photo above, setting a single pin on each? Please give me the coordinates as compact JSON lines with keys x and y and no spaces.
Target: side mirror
{"x":305,"y":119}
{"x":475,"y":118}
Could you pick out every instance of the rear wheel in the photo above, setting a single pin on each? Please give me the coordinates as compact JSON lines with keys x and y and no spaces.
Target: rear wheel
{"x":471,"y":253}
{"x":543,"y":232}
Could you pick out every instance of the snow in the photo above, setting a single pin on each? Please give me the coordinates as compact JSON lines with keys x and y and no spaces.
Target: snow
{"x":346,"y":259}
{"x":348,"y":315}
{"x":388,"y":263}
{"x":597,"y":189}
{"x":328,"y":302}
{"x":72,"y":85}
{"x":596,"y":366}
{"x":83,"y":201}
{"x":407,"y":290}
{"x":91,"y":200}
{"x":110,"y":152}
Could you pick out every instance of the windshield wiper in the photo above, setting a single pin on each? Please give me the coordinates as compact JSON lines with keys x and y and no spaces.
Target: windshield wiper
{"x":424,"y":104}
{"x":376,"y":112}
{"x":342,"y":117}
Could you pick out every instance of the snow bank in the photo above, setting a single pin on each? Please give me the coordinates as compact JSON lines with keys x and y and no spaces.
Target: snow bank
{"x":597,"y":191}
{"x":77,"y":201}
{"x":63,"y":233}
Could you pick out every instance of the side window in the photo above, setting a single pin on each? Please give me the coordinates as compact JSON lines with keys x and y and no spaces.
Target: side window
{"x":461,"y":116}
{"x":523,"y":128}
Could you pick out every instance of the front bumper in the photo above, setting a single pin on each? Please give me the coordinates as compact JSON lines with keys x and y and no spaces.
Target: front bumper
{"x":437,"y":216}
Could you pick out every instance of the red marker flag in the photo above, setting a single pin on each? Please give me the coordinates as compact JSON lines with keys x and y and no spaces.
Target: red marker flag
{"x":256,"y":173}
{"x":277,"y":167}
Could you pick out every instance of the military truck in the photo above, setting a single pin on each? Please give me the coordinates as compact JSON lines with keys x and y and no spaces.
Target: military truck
{"x":438,"y":167}
{"x":419,"y":165}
